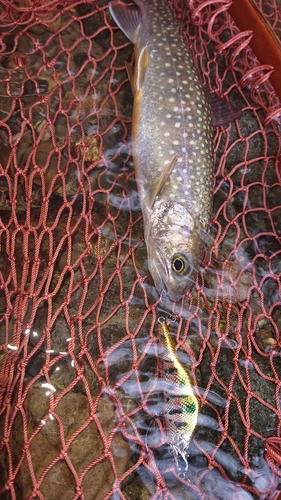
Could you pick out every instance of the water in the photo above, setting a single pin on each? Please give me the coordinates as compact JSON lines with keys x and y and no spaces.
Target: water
{"x":79,"y":308}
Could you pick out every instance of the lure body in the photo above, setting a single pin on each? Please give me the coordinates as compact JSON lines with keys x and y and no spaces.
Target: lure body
{"x":181,"y":405}
{"x":172,"y":144}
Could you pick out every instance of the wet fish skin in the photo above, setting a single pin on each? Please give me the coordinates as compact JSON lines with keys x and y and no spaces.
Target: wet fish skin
{"x":172,"y":145}
{"x":181,"y":404}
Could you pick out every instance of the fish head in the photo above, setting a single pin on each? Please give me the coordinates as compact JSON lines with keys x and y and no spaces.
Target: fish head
{"x":175,"y":248}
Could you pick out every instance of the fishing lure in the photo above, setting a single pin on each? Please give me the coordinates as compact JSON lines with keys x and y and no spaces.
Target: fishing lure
{"x":181,"y":404}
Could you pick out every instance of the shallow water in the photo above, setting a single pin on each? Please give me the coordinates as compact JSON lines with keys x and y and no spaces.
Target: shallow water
{"x":79,"y":308}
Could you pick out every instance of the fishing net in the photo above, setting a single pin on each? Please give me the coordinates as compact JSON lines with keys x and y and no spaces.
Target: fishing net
{"x":81,"y":403}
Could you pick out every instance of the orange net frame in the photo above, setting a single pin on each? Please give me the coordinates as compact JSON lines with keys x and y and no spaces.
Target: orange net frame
{"x":80,"y":400}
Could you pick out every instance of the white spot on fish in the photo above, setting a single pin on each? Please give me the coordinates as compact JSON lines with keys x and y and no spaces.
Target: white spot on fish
{"x":167,"y":65}
{"x":166,"y":134}
{"x":177,"y":124}
{"x":176,"y":108}
{"x":168,"y":115}
{"x":171,"y":99}
{"x":176,"y":143}
{"x":173,"y":90}
{"x":170,"y":80}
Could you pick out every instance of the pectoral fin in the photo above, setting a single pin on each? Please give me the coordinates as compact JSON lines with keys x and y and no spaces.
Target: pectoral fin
{"x":160,"y":184}
{"x":127,"y":18}
{"x":222,"y":112}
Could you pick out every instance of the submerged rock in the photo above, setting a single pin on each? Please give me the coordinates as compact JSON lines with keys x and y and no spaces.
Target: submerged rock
{"x":68,"y":447}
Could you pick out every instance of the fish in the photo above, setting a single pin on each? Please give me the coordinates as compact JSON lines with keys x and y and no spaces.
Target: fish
{"x":172,"y":142}
{"x":181,"y":406}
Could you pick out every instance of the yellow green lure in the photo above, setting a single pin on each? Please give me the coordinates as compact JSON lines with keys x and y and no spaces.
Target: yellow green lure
{"x":181,"y":405}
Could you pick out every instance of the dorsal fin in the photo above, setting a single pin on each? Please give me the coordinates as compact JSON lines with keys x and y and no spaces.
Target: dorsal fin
{"x":142,"y":64}
{"x":127,"y":18}
{"x":160,"y":184}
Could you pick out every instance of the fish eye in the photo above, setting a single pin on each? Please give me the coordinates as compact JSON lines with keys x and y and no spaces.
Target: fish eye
{"x":180,"y":263}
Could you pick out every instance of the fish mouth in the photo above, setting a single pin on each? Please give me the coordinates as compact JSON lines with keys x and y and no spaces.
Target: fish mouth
{"x":154,"y":264}
{"x":174,"y":296}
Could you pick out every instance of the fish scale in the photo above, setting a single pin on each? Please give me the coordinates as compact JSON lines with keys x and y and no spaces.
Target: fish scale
{"x":172,"y":145}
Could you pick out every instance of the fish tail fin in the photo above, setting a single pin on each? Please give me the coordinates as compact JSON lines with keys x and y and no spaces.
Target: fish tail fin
{"x":127,"y":18}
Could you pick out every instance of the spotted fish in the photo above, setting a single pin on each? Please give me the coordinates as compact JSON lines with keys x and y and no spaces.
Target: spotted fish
{"x":181,"y":405}
{"x":172,"y":144}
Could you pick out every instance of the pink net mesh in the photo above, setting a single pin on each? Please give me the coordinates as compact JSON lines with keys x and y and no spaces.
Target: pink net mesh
{"x":79,"y":379}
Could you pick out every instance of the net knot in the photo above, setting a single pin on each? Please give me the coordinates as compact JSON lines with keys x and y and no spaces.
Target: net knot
{"x":63,"y":454}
